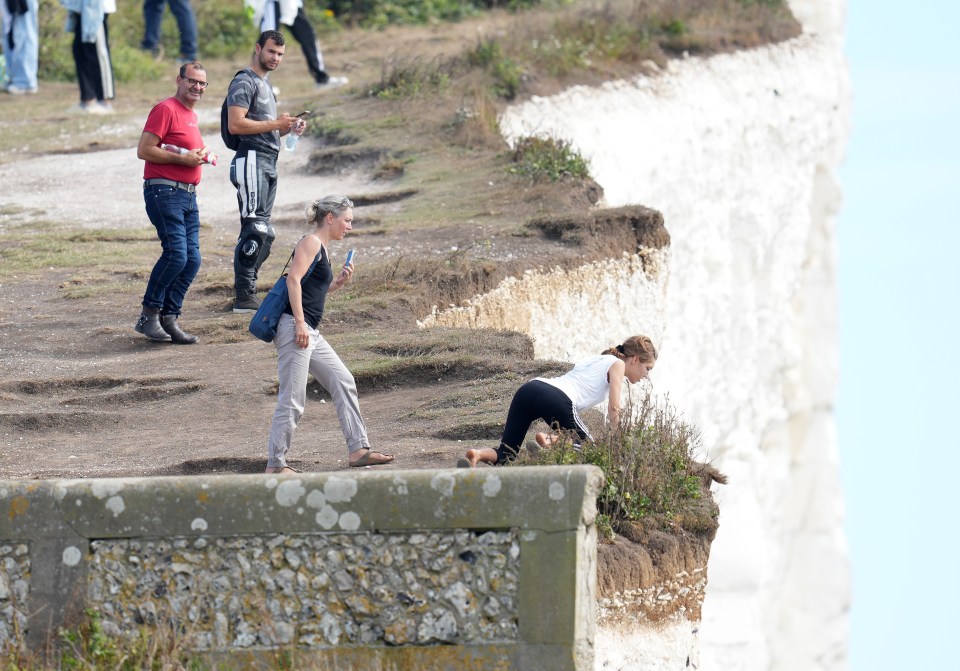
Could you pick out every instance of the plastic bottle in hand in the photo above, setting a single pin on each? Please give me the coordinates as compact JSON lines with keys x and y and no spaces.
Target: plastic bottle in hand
{"x":295,"y":132}
{"x":174,"y":149}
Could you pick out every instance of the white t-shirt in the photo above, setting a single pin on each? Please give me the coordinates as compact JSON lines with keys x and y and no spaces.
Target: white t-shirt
{"x":587,"y":384}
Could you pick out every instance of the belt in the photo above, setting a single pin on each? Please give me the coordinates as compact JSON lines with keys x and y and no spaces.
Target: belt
{"x":169,"y":182}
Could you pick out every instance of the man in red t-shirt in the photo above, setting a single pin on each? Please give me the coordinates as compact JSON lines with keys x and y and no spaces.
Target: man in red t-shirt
{"x":173,"y":151}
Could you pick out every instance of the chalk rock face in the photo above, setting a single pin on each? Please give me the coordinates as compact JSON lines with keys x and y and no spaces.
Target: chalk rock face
{"x":739,"y":153}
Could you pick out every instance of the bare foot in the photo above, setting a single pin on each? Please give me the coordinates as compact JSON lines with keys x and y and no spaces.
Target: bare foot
{"x":544,"y":440}
{"x":369,"y":458}
{"x":473,"y":456}
{"x":282,"y":470}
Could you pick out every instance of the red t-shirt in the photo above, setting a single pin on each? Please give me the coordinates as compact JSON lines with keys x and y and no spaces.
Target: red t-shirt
{"x":177,"y":125}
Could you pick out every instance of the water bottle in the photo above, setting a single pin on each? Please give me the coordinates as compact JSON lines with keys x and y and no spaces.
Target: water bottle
{"x":295,"y":131}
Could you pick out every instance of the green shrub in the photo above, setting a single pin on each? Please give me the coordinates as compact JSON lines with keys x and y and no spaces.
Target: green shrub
{"x":506,"y":73}
{"x":89,"y":647}
{"x":225,"y":30}
{"x":547,"y":158}
{"x":673,"y":27}
{"x":648,"y":464}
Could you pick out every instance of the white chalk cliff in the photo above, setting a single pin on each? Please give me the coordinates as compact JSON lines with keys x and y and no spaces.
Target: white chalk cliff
{"x":739,"y":152}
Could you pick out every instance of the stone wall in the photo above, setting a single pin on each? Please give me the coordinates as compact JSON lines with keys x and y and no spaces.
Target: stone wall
{"x":425,"y":569}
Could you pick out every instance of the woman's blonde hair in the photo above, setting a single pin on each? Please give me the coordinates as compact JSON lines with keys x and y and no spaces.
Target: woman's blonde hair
{"x":638,"y":345}
{"x":318,"y":209}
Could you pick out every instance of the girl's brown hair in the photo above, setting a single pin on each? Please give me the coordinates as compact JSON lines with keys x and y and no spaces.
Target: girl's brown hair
{"x":638,"y":345}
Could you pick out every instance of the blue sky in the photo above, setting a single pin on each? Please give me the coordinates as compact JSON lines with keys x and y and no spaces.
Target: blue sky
{"x":899,"y":240}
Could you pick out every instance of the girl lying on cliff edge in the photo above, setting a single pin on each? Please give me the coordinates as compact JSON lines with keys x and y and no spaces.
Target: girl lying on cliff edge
{"x":558,"y":400}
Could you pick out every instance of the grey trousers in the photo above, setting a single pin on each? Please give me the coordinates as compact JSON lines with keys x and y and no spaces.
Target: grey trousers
{"x":293,"y":365}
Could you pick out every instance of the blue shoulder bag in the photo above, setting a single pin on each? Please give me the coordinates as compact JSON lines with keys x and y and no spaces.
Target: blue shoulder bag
{"x":264,"y":322}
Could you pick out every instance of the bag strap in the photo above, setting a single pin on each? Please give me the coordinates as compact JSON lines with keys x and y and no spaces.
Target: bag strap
{"x":310,"y":269}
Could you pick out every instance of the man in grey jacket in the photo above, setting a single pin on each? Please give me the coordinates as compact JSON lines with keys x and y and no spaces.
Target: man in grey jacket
{"x":252,"y":116}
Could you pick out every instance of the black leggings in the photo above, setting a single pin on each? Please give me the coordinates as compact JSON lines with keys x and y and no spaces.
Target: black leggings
{"x":537,"y":400}
{"x":92,"y":60}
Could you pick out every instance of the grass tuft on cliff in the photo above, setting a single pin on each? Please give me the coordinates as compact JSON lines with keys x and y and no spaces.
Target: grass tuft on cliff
{"x":651,"y":472}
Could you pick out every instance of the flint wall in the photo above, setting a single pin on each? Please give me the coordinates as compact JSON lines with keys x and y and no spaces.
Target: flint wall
{"x":488,"y":568}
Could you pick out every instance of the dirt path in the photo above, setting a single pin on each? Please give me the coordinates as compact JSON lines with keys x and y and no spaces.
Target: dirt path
{"x":83,"y":395}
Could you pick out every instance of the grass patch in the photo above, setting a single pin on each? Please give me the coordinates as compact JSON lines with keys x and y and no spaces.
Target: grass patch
{"x":506,"y":73}
{"x":88,"y":646}
{"x":650,"y":469}
{"x":23,"y":252}
{"x":407,"y":77}
{"x":547,"y":158}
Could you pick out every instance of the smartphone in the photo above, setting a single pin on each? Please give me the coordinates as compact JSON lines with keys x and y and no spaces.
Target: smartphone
{"x":349,"y":258}
{"x":304,"y":114}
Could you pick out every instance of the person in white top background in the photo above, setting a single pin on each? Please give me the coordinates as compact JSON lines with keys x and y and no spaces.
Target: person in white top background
{"x":557,"y":401}
{"x":87,"y":20}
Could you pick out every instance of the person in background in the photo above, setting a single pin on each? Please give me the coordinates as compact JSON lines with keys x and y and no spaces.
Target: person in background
{"x":186,"y":23}
{"x":270,"y":14}
{"x":87,"y":20}
{"x":301,"y":350}
{"x":252,"y":115}
{"x":20,"y":45}
{"x":170,"y":182}
{"x":558,"y":400}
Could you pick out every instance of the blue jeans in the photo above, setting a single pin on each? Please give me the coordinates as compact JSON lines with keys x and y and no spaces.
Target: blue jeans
{"x":186,"y":22}
{"x":21,"y":46}
{"x":175,"y":215}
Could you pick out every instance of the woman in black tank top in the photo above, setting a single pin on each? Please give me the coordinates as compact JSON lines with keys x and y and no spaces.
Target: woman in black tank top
{"x":302,"y":351}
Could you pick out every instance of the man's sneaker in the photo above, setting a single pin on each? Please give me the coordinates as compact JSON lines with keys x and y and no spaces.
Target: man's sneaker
{"x":245,"y":305}
{"x":333,"y":82}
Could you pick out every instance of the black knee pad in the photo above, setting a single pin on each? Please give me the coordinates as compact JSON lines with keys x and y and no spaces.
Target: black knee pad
{"x":248,"y":249}
{"x":254,"y":238}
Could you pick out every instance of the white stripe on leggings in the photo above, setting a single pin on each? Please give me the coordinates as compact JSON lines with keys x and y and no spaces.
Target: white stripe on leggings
{"x":106,"y":68}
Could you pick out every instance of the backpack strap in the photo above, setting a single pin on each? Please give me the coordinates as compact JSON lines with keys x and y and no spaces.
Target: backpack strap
{"x":252,"y":81}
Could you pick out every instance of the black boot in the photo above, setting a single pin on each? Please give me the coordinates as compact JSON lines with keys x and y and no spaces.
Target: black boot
{"x":169,"y":324}
{"x":245,"y":303}
{"x":149,"y":325}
